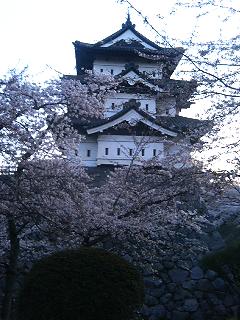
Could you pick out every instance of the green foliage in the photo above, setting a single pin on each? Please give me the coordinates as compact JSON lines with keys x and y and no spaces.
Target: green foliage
{"x":230,"y":256}
{"x":84,"y":284}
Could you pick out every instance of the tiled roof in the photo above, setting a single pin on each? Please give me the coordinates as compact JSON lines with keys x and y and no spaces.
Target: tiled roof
{"x":127,"y":26}
{"x":85,"y":52}
{"x":176,"y":124}
{"x":181,"y":124}
{"x":162,"y":53}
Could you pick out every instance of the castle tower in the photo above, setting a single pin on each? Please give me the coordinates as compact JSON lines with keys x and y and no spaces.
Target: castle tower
{"x":142,"y":120}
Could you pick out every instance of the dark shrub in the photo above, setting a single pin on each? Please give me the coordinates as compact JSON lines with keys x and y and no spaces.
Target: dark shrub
{"x":84,"y":284}
{"x":229,"y":256}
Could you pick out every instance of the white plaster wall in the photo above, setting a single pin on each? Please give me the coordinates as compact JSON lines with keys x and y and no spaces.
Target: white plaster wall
{"x":82,"y":149}
{"x":98,"y":145}
{"x":125,"y":143}
{"x":107,"y":66}
{"x":128,"y":35}
{"x":152,"y":71}
{"x":113,"y":67}
{"x":148,"y":103}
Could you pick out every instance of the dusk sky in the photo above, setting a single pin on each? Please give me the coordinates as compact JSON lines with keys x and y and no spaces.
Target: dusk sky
{"x":40,"y":34}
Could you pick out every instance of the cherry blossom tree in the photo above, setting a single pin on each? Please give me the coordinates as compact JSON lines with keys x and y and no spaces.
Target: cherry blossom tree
{"x":216,"y":68}
{"x":49,"y":203}
{"x":212,"y":58}
{"x":35,"y":214}
{"x":34,"y":117}
{"x":35,"y":123}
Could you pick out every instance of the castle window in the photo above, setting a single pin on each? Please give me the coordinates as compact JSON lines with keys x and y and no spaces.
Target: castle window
{"x":154,"y":152}
{"x":143,"y":152}
{"x":130,"y":152}
{"x":88,"y":153}
{"x":146,"y":106}
{"x":118,"y":151}
{"x":167,"y":111}
{"x":113,"y":104}
{"x":101,"y":70}
{"x":111,"y":71}
{"x":106,"y":151}
{"x":154,"y":74}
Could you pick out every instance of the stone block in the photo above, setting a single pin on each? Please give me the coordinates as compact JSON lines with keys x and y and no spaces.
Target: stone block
{"x":204,"y":285}
{"x":196,"y":273}
{"x":158,"y":312}
{"x":198,"y":294}
{"x":181,"y":294}
{"x":210,"y":275}
{"x":204,"y":305}
{"x":198,"y":315}
{"x":220,"y":310}
{"x":152,"y":283}
{"x":157,"y":292}
{"x":219,"y":284}
{"x":178,"y":315}
{"x":178,"y":275}
{"x":189,"y":284}
{"x":191,"y":305}
{"x":165,"y":298}
{"x":151,"y":301}
{"x":228,"y":301}
{"x":171,"y":287}
{"x":212,"y":298}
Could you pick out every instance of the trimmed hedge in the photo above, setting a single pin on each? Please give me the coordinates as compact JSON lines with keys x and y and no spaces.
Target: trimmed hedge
{"x":84,"y":284}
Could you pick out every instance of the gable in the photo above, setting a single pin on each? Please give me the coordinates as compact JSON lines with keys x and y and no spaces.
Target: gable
{"x":138,"y":129}
{"x":132,"y":117}
{"x":132,"y":78}
{"x":128,"y":36}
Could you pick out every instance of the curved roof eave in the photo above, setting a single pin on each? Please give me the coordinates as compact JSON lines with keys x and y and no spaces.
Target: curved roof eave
{"x":121,"y":116}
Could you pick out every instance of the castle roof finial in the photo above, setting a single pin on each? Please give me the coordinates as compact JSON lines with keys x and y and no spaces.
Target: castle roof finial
{"x":128,"y":23}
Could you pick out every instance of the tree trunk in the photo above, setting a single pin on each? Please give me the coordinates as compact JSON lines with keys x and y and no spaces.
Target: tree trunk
{"x":11,"y":273}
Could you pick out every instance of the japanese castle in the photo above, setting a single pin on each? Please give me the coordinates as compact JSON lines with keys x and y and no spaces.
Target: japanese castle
{"x":141,"y":121}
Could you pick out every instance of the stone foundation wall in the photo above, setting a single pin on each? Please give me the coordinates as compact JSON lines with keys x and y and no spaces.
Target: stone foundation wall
{"x":183,"y":291}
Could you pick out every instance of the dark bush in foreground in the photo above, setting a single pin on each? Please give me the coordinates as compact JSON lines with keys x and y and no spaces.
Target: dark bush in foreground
{"x":85,"y":284}
{"x":229,"y":256}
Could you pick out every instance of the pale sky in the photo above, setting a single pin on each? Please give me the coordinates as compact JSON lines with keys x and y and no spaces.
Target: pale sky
{"x":40,"y":33}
